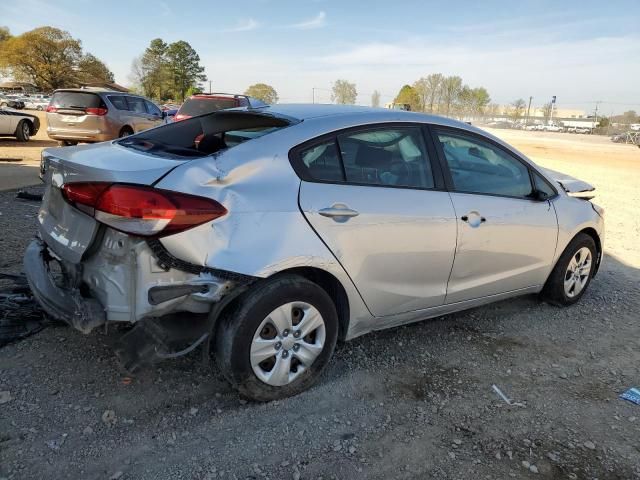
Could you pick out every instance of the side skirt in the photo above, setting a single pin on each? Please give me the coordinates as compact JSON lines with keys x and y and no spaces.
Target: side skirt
{"x":381,"y":323}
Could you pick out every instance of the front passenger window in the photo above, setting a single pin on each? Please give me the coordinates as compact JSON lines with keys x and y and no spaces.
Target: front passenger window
{"x":477,"y":166}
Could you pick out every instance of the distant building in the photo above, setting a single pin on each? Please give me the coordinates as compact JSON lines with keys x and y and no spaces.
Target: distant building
{"x":559,"y":113}
{"x":18,"y":87}
{"x":107,"y":85}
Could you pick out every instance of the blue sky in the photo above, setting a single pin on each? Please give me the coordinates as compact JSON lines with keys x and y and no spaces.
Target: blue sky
{"x":580,"y":51}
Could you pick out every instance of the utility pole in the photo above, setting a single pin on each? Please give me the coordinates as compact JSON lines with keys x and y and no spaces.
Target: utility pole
{"x":526,"y":122}
{"x":553,"y":104}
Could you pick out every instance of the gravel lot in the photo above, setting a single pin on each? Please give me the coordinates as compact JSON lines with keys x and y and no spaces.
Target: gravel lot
{"x":413,"y":402}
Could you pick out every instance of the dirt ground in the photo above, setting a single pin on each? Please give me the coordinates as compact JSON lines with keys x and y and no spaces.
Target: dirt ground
{"x":19,"y":161}
{"x":412,"y":403}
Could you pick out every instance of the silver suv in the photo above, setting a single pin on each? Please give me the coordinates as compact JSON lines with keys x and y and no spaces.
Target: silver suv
{"x":96,"y":115}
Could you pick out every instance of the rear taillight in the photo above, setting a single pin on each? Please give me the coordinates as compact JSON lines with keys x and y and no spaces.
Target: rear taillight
{"x":96,"y":111}
{"x":180,"y":116}
{"x":141,"y":210}
{"x":52,"y":109}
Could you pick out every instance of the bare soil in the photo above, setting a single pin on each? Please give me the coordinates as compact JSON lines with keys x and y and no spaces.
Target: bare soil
{"x":411,"y":403}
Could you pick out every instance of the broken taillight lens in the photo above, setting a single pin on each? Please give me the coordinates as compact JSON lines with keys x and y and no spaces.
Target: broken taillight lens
{"x":142,"y":210}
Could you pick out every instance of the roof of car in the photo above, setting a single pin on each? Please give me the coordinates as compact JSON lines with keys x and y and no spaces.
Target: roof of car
{"x":309,"y":111}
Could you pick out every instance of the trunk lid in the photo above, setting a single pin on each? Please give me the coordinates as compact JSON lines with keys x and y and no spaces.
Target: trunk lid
{"x":66,"y":230}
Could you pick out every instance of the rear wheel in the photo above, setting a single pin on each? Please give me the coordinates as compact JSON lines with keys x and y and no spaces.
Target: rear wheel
{"x":23,"y":131}
{"x":277,"y":341}
{"x":125,"y":132}
{"x":573,"y":272}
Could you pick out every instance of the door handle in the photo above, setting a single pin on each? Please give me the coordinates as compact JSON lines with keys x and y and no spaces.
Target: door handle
{"x":338,"y":212}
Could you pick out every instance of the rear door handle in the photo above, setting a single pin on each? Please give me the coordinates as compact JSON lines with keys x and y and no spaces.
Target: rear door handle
{"x":465,"y":218}
{"x":338,"y":212}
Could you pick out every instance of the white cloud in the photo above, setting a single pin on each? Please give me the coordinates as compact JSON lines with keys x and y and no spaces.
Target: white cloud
{"x":318,"y":21}
{"x":244,"y":25}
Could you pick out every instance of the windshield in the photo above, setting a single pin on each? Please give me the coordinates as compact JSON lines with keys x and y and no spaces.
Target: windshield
{"x":205,"y":135}
{"x":201,"y":105}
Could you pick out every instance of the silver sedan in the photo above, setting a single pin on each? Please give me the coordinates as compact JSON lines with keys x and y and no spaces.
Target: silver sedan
{"x":265,"y":235}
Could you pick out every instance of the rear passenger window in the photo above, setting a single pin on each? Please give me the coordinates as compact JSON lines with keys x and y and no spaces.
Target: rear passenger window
{"x":119,"y":102}
{"x":389,"y":157}
{"x":383,"y":156}
{"x":322,"y":162}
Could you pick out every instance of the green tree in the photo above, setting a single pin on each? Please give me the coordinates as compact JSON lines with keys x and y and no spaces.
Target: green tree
{"x":629,"y":116}
{"x":5,"y":34}
{"x":184,"y":67}
{"x":154,"y":75}
{"x":91,"y":69}
{"x":375,"y":99}
{"x":344,"y":92}
{"x":407,"y":95}
{"x":428,"y":90}
{"x":263,"y":92}
{"x":45,"y":56}
{"x":450,"y":91}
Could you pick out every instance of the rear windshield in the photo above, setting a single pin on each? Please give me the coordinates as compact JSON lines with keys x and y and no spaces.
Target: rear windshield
{"x":76,"y":100}
{"x":206,"y":135}
{"x":200,"y":106}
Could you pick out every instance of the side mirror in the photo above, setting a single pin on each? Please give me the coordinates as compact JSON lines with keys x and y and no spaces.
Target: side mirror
{"x":539,"y":195}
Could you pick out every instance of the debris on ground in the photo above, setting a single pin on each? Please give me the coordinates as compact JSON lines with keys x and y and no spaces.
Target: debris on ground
{"x":506,"y":399}
{"x":20,"y":315}
{"x":632,"y":395}
{"x":24,"y":195}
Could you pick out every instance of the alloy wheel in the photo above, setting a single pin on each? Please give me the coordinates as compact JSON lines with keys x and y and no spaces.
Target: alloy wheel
{"x":578,"y":271}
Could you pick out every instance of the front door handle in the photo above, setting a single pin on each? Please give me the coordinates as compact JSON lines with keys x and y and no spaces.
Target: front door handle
{"x":338,"y":212}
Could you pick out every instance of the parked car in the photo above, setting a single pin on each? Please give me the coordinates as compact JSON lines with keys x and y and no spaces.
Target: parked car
{"x":552,"y":128}
{"x":6,"y":101}
{"x":39,"y":104}
{"x":268,"y":234}
{"x":18,"y":124}
{"x":532,"y":127}
{"x":97,"y":115}
{"x":203,"y":103}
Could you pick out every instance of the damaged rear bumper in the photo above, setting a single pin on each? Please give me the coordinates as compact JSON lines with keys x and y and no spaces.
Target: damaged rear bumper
{"x":123,"y":279}
{"x":60,"y":303}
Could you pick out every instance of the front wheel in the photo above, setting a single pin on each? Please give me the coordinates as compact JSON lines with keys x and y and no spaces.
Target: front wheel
{"x":573,"y":272}
{"x":279,"y":338}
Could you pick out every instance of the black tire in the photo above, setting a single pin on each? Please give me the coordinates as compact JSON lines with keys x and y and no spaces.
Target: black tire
{"x":236,"y":329}
{"x":23,"y":131}
{"x":125,"y":132}
{"x":67,"y":143}
{"x":554,"y":290}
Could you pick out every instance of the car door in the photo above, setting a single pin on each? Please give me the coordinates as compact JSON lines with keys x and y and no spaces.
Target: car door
{"x":376,"y":201}
{"x":155,"y":114}
{"x":7,"y":122}
{"x":139,"y":115}
{"x":506,"y":233}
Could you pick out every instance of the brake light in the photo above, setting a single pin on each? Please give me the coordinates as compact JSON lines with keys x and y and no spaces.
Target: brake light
{"x":96,"y":111}
{"x":180,"y":116}
{"x":142,"y":210}
{"x":51,"y":109}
